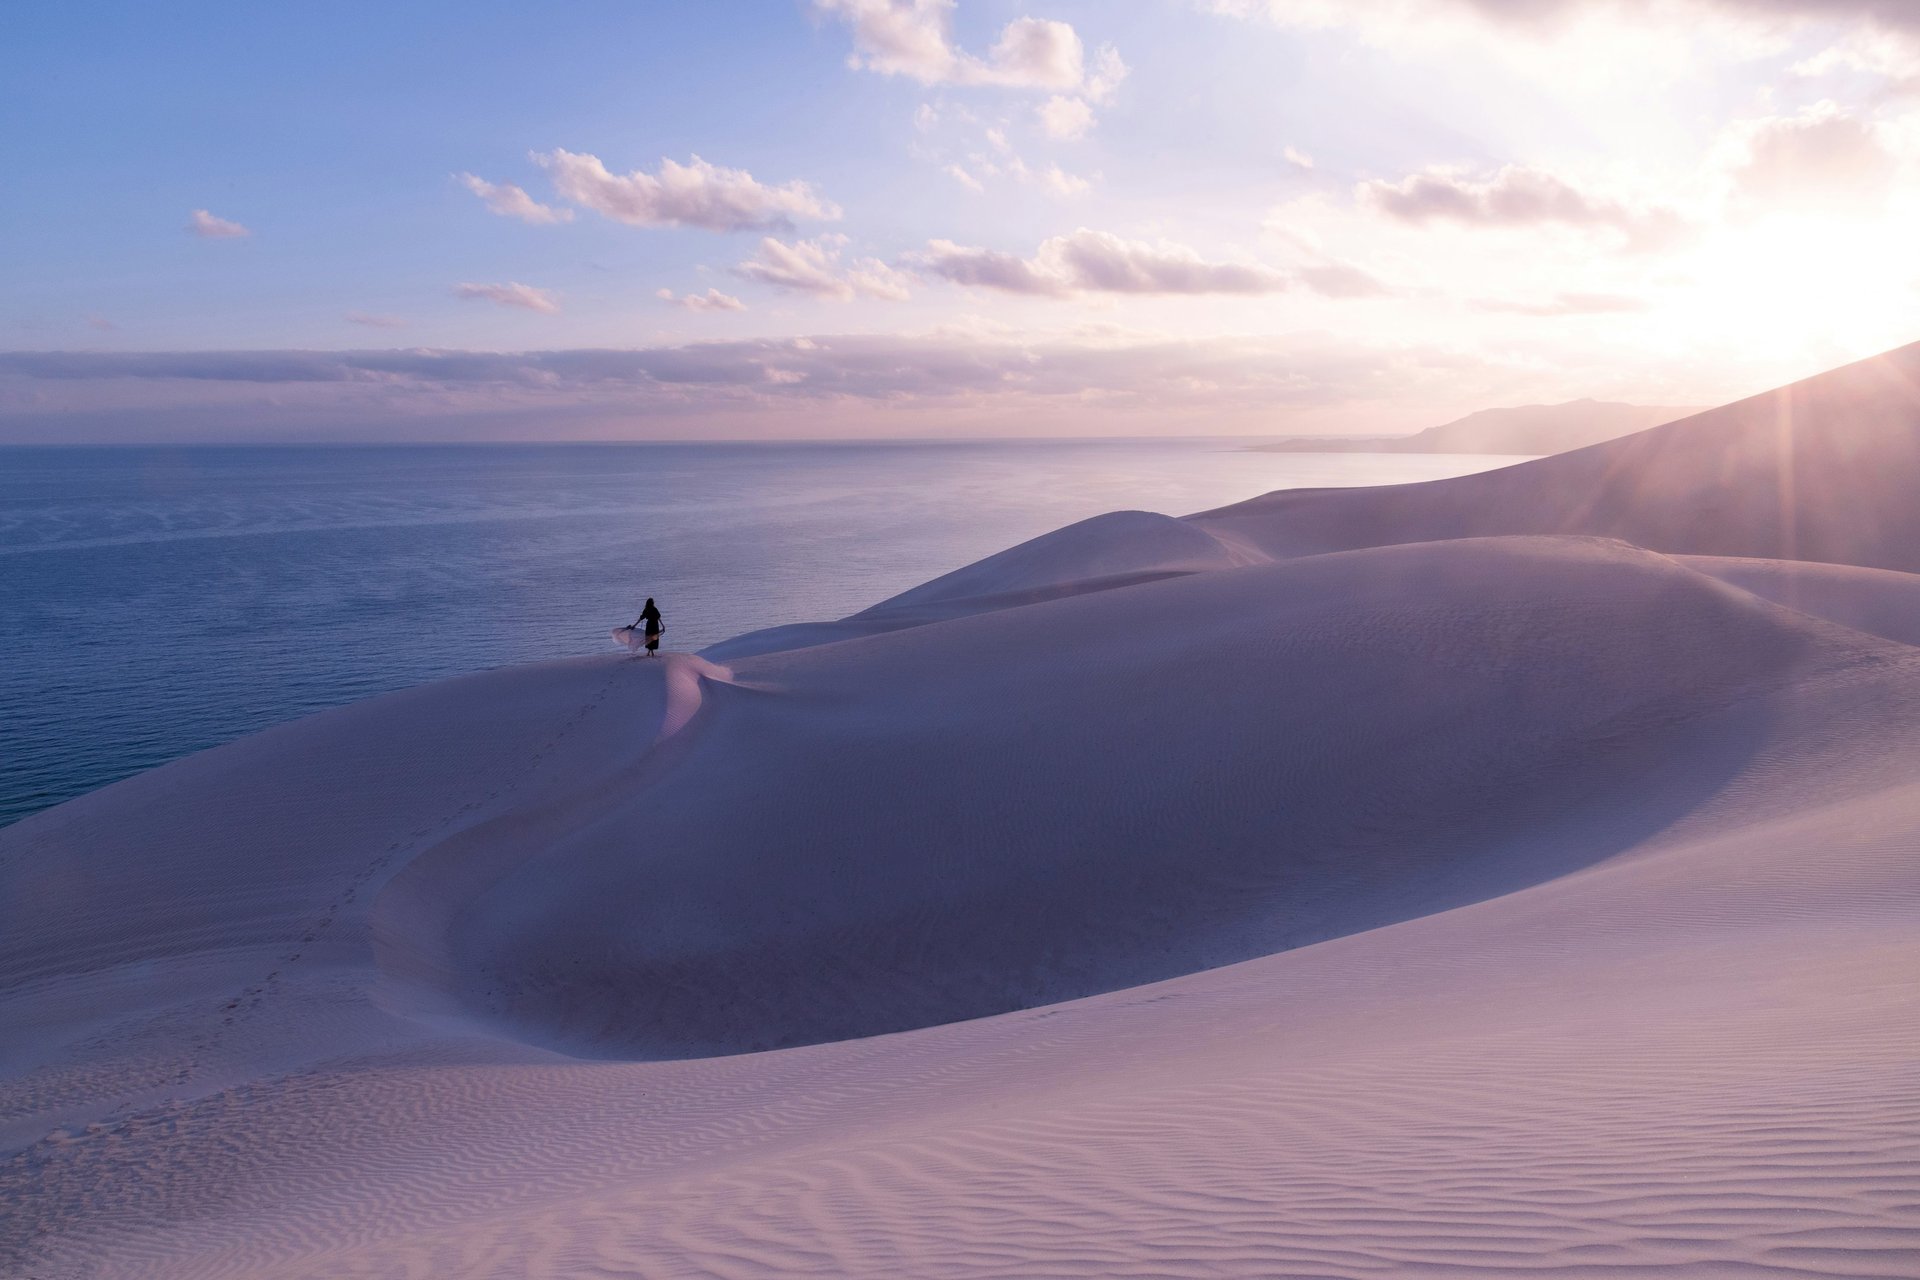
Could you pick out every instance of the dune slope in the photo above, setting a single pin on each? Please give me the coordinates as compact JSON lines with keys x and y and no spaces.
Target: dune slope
{"x":1307,"y":889}
{"x":1117,"y":788}
{"x":1824,"y":470}
{"x":1543,"y":905}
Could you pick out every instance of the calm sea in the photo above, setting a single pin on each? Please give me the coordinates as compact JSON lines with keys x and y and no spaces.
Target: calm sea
{"x":155,"y":602}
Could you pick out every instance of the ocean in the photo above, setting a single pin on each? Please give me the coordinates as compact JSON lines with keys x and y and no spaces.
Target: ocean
{"x":157,"y":601}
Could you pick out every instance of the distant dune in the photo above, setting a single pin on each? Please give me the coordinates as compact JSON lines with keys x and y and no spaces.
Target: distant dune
{"x":1535,"y":429}
{"x":1510,"y":875}
{"x":1827,"y":469}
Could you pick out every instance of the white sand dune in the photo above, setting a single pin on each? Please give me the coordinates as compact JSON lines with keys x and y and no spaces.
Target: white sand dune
{"x":1264,"y":894}
{"x":1821,"y":470}
{"x":1119,"y":549}
{"x":1876,"y":601}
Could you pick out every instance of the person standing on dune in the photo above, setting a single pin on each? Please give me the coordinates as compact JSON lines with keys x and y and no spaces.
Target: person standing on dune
{"x":649,"y":621}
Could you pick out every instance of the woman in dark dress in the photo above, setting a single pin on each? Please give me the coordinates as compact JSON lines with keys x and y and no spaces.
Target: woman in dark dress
{"x":650,"y":621}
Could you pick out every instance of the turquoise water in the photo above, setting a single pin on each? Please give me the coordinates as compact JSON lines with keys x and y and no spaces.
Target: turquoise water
{"x":154,"y":602}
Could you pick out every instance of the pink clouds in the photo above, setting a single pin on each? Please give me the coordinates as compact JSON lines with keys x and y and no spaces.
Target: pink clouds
{"x":522,"y":296}
{"x":1821,"y":158}
{"x":510,"y":201}
{"x":1516,"y":196}
{"x":696,"y":194}
{"x":814,"y":267}
{"x":1089,"y":261}
{"x":914,"y":38}
{"x":207,"y":227}
{"x":990,"y":269}
{"x":711,"y":300}
{"x":1065,"y":118}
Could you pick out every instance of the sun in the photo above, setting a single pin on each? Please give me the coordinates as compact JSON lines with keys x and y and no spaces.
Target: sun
{"x":1803,"y":284}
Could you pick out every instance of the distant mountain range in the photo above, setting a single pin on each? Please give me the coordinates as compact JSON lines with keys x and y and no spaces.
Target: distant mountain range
{"x":1529,"y":429}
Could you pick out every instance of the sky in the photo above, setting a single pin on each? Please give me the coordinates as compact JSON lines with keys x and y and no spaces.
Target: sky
{"x":937,"y":218}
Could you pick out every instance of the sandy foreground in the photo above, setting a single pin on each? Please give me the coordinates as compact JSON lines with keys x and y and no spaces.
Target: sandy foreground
{"x":1510,"y":875}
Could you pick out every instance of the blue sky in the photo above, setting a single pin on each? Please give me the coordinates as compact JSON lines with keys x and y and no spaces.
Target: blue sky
{"x":924,"y":217}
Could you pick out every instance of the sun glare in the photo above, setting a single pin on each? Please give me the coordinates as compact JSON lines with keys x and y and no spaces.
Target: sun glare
{"x":1796,"y":284}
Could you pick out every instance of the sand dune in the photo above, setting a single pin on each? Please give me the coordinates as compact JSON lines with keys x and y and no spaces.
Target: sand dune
{"x":1313,"y":888}
{"x":1824,"y":470}
{"x":1117,"y":788}
{"x":1119,"y":549}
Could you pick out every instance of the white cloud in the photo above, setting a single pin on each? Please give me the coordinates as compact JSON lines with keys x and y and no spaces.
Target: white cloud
{"x":914,"y":38}
{"x":697,"y":194}
{"x":1068,"y":116}
{"x":1065,"y":118}
{"x":1037,"y":53}
{"x":1891,"y":55}
{"x":1089,"y":261}
{"x":1103,"y":262}
{"x":991,"y":269}
{"x":1297,"y":158}
{"x":1516,"y":196}
{"x":374,"y":321}
{"x":711,"y":300}
{"x":511,"y":295}
{"x":208,"y":227}
{"x":872,"y":278}
{"x":1108,"y":71}
{"x":1822,"y":158}
{"x":1052,"y":179}
{"x":510,"y":201}
{"x":813,"y":266}
{"x":1004,"y":160}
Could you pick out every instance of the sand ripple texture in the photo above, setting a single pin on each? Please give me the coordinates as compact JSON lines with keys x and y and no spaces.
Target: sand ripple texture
{"x":1265,"y":894}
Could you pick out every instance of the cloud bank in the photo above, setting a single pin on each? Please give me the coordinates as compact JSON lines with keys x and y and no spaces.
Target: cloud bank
{"x":1098,"y":383}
